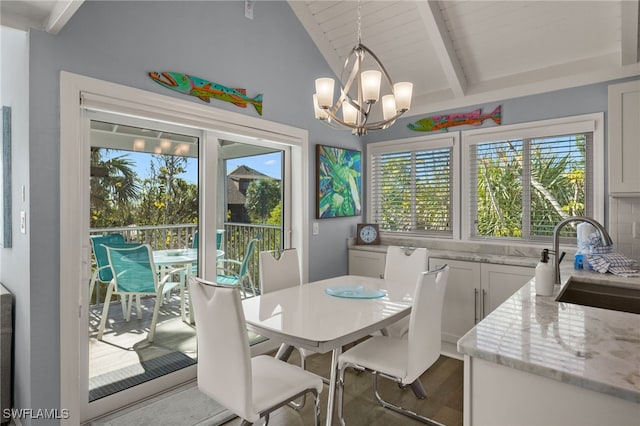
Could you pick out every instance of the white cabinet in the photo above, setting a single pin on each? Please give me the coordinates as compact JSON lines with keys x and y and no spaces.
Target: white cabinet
{"x":624,"y":139}
{"x":460,"y":300}
{"x":499,"y":395}
{"x":366,"y":263}
{"x":474,"y":290}
{"x":499,"y":282}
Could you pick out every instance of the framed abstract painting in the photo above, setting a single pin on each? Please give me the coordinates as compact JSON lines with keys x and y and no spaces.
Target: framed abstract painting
{"x":338,"y":182}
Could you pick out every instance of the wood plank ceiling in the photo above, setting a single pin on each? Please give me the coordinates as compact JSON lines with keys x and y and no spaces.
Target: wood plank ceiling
{"x":464,"y":52}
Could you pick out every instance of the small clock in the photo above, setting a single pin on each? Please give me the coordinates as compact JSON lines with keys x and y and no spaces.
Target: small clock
{"x":368,"y":234}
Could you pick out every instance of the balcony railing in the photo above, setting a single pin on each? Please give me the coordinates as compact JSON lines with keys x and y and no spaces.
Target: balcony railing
{"x":236,"y":238}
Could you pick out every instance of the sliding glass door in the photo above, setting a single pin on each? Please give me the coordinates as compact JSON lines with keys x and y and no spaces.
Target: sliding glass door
{"x":143,"y":190}
{"x":150,"y":184}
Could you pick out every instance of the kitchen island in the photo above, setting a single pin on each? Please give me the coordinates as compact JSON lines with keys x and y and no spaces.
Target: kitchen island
{"x":537,"y":361}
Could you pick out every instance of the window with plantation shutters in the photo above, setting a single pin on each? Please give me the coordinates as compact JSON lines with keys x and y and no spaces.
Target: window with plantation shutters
{"x":522,"y":181}
{"x":411,"y":186}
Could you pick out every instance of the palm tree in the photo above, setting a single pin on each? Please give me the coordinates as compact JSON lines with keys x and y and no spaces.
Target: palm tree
{"x":114,"y":187}
{"x":556,"y":188}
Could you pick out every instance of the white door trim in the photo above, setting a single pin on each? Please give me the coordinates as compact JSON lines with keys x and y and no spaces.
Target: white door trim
{"x":79,"y":92}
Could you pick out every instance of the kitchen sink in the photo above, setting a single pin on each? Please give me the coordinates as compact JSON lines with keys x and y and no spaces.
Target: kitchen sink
{"x":599,"y":295}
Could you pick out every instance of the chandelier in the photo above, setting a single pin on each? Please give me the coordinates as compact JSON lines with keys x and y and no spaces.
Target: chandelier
{"x":359,"y":92}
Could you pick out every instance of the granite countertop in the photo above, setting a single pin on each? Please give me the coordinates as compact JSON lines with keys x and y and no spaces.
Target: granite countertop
{"x":593,"y":348}
{"x":471,"y":252}
{"x":499,"y":259}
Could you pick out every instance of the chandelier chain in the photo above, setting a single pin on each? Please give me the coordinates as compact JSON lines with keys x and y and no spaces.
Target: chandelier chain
{"x":359,"y":23}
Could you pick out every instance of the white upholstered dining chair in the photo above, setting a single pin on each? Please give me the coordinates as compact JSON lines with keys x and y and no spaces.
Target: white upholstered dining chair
{"x":402,"y":360}
{"x":249,"y":387}
{"x":403,"y":264}
{"x":278,"y":274}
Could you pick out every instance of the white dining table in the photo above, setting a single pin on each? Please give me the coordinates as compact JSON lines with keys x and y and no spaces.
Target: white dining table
{"x":306,"y":316}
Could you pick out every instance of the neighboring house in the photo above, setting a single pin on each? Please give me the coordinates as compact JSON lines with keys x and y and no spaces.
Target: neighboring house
{"x":238,"y":182}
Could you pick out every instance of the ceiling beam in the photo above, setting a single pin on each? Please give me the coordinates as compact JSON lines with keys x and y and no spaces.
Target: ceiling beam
{"x":630,"y":14}
{"x":445,"y":52}
{"x":62,"y":11}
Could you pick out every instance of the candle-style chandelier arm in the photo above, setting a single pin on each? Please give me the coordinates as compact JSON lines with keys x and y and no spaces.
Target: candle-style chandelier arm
{"x":361,"y":130}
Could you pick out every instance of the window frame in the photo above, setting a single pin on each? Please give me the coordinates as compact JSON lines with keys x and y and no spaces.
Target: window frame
{"x":459,"y":141}
{"x":535,"y":129}
{"x":426,"y":142}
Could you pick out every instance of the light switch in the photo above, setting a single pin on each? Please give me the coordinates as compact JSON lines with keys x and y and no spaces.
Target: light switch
{"x":23,"y":222}
{"x":316,"y":228}
{"x":248,"y":9}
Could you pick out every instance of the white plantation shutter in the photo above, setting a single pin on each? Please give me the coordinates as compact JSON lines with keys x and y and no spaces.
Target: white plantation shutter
{"x":411,"y":186}
{"x":521,"y":187}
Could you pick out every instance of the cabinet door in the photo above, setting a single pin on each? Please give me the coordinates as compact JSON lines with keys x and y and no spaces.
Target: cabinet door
{"x":624,"y":134}
{"x":499,"y":282}
{"x":366,"y":263}
{"x":461,"y":302}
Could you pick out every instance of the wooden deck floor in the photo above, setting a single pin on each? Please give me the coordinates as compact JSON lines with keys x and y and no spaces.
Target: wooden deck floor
{"x":124,"y":358}
{"x":124,"y":351}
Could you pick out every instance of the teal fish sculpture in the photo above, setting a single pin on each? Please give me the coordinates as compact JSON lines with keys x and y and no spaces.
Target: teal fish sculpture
{"x":205,"y":90}
{"x":443,"y":122}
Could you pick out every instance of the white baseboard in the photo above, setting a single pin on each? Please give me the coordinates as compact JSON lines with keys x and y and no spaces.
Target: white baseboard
{"x":451,"y":350}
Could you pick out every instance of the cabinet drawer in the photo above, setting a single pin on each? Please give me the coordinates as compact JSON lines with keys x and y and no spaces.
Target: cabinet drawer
{"x":366,"y":263}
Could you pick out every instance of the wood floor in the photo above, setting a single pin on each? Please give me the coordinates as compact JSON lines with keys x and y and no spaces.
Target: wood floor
{"x":443,"y":382}
{"x":124,"y":345}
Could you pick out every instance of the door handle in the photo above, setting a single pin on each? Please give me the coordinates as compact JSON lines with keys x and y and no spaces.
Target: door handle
{"x":484,"y":298}
{"x":475,"y":305}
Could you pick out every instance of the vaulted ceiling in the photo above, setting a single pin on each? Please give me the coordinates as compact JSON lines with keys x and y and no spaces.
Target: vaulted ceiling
{"x":455,"y":52}
{"x":465,"y":52}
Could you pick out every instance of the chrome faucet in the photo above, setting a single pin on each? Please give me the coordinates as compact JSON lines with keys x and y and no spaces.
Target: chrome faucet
{"x":604,"y":235}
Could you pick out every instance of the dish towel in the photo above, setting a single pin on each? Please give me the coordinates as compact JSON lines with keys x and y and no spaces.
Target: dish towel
{"x":603,"y":261}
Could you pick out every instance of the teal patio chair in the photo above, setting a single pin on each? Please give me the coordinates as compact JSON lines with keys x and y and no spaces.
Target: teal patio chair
{"x":219,"y":239}
{"x":236,"y":273}
{"x":102,"y":274}
{"x":134,"y":274}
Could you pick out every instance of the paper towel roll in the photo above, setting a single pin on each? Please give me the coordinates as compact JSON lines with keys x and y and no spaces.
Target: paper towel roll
{"x":585,"y":236}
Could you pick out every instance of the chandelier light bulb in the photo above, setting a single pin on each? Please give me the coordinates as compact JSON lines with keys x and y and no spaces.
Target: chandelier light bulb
{"x":402,"y":92}
{"x":324,"y":91}
{"x":320,"y":113}
{"x":388,"y":106}
{"x":371,"y":85}
{"x":349,"y":113}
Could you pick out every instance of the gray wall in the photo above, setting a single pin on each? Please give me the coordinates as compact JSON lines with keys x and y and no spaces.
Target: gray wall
{"x":561,"y":103}
{"x":121,"y":42}
{"x":14,"y":261}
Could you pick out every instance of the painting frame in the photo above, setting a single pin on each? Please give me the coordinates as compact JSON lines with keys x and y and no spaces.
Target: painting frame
{"x":338,"y":182}
{"x":5,"y":175}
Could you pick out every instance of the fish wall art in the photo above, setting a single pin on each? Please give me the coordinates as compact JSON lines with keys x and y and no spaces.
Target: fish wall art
{"x":443,"y":122}
{"x":205,"y":90}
